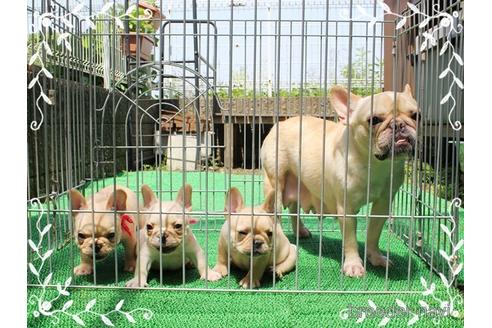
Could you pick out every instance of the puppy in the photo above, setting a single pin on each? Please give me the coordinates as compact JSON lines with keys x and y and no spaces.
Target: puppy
{"x":167,"y":241}
{"x":106,"y":234}
{"x":257,"y":241}
{"x":391,"y":116}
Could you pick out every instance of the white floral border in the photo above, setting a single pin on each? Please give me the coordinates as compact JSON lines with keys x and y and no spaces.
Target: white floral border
{"x":46,"y":21}
{"x":45,"y":306}
{"x":447,"y":305}
{"x":448,"y":25}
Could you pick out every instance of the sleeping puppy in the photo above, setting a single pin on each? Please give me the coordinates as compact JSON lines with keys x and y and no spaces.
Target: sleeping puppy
{"x":391,"y":116}
{"x":106,"y":234}
{"x":257,"y":241}
{"x":168,"y":242}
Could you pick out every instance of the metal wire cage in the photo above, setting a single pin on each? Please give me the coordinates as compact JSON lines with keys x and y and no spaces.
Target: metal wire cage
{"x":187,"y":96}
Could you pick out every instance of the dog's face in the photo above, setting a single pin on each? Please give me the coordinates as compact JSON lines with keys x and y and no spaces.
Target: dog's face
{"x":250,"y":234}
{"x":165,"y":232}
{"x":106,"y":234}
{"x":392,"y":124}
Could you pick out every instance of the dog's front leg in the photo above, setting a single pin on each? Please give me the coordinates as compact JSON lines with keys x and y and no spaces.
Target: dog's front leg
{"x":85,"y":266}
{"x":144,"y":261}
{"x":374,"y":228}
{"x":288,"y":264}
{"x":130,"y":243}
{"x":352,"y":265}
{"x":255,"y":273}
{"x":222,"y":258}
{"x":195,"y":253}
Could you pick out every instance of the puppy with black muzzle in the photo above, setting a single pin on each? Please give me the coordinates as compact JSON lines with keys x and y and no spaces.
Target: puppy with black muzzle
{"x":255,"y":241}
{"x":382,"y":139}
{"x":102,"y":226}
{"x":166,"y":242}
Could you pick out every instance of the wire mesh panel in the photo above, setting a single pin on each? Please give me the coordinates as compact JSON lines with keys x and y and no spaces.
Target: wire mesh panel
{"x":435,"y":176}
{"x":183,"y":145}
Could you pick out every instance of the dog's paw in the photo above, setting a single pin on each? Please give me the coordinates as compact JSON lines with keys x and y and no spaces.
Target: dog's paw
{"x":245,"y":282}
{"x":378,"y":259}
{"x":279,"y":273}
{"x":304,"y":232}
{"x":132,"y":283}
{"x":353,"y":267}
{"x":129,"y":266}
{"x":221,"y":270}
{"x":212,"y":276}
{"x":82,"y":269}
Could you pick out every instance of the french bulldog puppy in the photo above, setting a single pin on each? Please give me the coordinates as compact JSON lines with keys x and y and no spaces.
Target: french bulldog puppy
{"x":255,"y":241}
{"x":107,"y":235}
{"x":390,"y":116}
{"x":167,"y":242}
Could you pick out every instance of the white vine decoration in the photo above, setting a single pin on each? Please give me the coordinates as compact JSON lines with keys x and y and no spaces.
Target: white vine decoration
{"x":448,"y":305}
{"x":448,"y":26}
{"x":46,"y":22}
{"x":447,"y":21}
{"x":45,"y":305}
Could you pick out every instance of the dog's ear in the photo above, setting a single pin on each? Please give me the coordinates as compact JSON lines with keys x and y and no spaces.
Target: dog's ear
{"x":339,"y":98}
{"x":234,"y":201}
{"x":148,"y":195}
{"x":117,"y":200}
{"x":77,"y":200}
{"x":408,"y":90}
{"x":269,"y":203}
{"x":184,"y":197}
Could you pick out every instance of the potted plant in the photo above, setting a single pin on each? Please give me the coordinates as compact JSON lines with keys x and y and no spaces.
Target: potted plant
{"x":148,"y":15}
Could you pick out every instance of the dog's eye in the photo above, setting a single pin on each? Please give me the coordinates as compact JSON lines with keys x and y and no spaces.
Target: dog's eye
{"x":375,"y":120}
{"x":81,"y":236}
{"x":177,"y":226}
{"x":111,"y":235}
{"x":269,"y":234}
{"x":149,"y":227}
{"x":243,"y":233}
{"x":415,"y":116}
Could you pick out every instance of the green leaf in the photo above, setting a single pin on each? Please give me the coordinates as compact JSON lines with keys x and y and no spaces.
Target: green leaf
{"x":130,"y":318}
{"x":106,"y":320}
{"x":90,"y":304}
{"x":48,"y":226}
{"x":119,"y":305}
{"x":78,"y":320}
{"x":67,"y":305}
{"x":32,"y":245}
{"x":33,"y":270}
{"x":47,"y":279}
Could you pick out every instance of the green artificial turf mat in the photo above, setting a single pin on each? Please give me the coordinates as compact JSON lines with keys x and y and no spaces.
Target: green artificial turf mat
{"x":206,"y":308}
{"x":222,"y":309}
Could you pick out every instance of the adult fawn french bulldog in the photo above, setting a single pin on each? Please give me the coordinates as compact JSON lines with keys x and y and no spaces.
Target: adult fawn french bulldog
{"x":390,"y":116}
{"x":259,"y":241}
{"x":165,"y":235}
{"x":107,"y":235}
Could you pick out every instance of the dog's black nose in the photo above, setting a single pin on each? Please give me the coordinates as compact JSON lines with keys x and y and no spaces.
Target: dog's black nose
{"x":97,"y":248}
{"x":163,"y":240}
{"x":257,"y":244}
{"x":397,"y":125}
